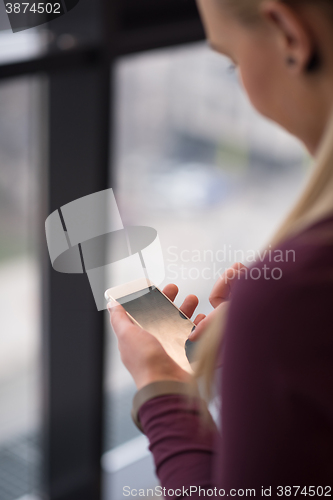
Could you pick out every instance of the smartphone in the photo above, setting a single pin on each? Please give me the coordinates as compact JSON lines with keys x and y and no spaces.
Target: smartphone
{"x":148,"y":307}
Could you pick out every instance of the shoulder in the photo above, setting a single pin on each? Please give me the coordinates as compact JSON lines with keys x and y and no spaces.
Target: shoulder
{"x":305,"y":260}
{"x":286,"y":299}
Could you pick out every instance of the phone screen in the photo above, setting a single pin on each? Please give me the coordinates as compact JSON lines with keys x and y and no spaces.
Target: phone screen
{"x":156,"y":314}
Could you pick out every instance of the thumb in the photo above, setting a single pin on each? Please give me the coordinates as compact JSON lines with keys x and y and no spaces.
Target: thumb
{"x":119,"y":319}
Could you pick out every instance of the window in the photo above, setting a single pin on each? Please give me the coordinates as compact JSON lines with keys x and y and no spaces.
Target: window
{"x":198,"y":164}
{"x":20,"y":379}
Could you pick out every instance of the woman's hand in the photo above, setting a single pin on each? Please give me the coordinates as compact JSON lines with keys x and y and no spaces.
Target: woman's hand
{"x":219,"y":296}
{"x":141,"y":352}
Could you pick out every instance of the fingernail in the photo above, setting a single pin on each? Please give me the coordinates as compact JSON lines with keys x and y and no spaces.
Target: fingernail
{"x":112,"y":304}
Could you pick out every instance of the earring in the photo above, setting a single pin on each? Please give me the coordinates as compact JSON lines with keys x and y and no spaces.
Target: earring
{"x":290,"y":61}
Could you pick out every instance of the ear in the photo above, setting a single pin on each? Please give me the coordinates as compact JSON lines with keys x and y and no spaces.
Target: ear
{"x":294,"y":38}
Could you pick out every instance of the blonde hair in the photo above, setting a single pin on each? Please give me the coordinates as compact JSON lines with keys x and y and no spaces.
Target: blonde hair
{"x":316,"y":203}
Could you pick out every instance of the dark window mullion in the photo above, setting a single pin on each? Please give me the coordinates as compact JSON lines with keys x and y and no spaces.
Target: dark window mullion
{"x":73,"y":328}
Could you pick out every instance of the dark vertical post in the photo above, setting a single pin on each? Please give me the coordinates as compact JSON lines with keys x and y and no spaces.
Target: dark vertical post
{"x":79,"y":141}
{"x":73,"y":328}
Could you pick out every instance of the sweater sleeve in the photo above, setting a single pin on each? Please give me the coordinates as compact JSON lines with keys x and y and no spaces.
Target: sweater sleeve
{"x":182,"y":442}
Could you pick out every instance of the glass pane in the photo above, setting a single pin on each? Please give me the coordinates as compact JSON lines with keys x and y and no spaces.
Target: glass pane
{"x":197,"y":163}
{"x":22,"y":45}
{"x":19,"y":288}
{"x":77,"y":29}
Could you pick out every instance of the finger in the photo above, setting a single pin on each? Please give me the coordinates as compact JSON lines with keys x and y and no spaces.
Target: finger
{"x":199,"y":329}
{"x":189,"y":305}
{"x":238,"y":266}
{"x":120,"y":321}
{"x":202,"y":326}
{"x":222,"y":288}
{"x":199,"y":318}
{"x":171,"y":291}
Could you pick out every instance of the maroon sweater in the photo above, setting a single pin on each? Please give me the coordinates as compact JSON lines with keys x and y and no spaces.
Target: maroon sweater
{"x":276,"y":387}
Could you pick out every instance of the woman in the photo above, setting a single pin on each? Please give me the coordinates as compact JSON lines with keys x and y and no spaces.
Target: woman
{"x":277,"y":349}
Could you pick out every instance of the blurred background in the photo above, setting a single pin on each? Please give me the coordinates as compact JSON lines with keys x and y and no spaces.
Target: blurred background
{"x":125,"y":96}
